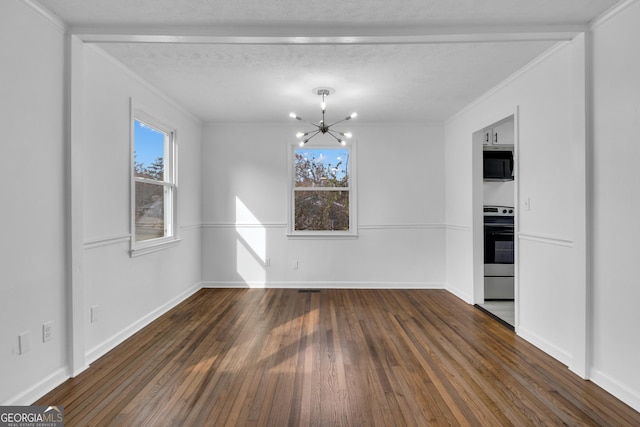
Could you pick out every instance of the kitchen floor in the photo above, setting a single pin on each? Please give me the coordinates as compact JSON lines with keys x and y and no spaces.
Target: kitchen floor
{"x":502,"y":309}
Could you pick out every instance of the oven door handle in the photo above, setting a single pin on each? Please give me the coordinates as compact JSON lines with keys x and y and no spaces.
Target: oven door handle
{"x":499,"y":231}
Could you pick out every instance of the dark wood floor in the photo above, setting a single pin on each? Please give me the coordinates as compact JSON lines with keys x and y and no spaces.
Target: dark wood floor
{"x":332,"y":358}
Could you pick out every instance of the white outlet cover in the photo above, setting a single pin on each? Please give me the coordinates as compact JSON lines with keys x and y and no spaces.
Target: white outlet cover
{"x":47,"y":331}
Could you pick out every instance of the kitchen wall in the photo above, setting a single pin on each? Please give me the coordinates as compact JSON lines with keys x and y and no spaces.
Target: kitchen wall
{"x":129,"y":292}
{"x":616,"y":203}
{"x":542,"y":97}
{"x":576,"y":301}
{"x":32,"y":277}
{"x":400,"y":211}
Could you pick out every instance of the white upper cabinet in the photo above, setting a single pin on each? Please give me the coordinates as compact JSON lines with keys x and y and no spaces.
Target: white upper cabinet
{"x":501,"y":133}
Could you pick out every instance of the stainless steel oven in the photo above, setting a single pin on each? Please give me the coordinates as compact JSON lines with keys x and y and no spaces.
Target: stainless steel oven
{"x":499,"y":252}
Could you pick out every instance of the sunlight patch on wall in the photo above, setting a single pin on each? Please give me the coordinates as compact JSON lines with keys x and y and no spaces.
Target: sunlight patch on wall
{"x":251,"y":246}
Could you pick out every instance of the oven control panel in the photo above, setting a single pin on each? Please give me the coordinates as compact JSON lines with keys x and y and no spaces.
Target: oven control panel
{"x":499,"y":211}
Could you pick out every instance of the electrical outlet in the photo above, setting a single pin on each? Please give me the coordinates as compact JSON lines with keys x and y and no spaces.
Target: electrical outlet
{"x":47,"y":331}
{"x":24,"y":342}
{"x":94,"y":314}
{"x":267,"y":262}
{"x":294,"y":265}
{"x":527,"y":204}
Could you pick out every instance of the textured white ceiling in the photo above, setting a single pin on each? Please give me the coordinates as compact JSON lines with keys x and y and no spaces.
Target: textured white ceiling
{"x":264,"y":82}
{"x":444,"y":12}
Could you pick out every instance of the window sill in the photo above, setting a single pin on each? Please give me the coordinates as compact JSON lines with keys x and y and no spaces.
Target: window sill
{"x":322,"y":235}
{"x":153,"y":247}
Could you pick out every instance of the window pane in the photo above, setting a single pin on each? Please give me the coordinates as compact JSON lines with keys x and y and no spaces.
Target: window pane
{"x":148,"y":155}
{"x":321,"y":167}
{"x":149,"y":211}
{"x":322,"y":210}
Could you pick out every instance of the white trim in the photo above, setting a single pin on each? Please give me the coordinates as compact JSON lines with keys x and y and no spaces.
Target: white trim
{"x":416,"y":226}
{"x":98,"y":242}
{"x":468,"y":298}
{"x":242,"y":225}
{"x":42,"y":387}
{"x":46,"y":14}
{"x":98,"y":50}
{"x":74,"y":194}
{"x":580,"y":321}
{"x":317,"y":35}
{"x":509,"y":80}
{"x":423,"y":226}
{"x":457,"y":227}
{"x":546,"y":239}
{"x":101,"y":349}
{"x":352,"y":189}
{"x":155,"y":247}
{"x":323,"y":285}
{"x":610,"y":13}
{"x":617,"y":388}
{"x":322,"y":235}
{"x":544,"y":345}
{"x":191,"y":227}
{"x":142,"y":114}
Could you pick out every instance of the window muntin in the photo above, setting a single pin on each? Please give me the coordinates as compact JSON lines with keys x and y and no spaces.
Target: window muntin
{"x":322,"y":191}
{"x":154,"y":186}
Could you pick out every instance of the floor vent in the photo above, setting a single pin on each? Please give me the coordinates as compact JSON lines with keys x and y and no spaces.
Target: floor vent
{"x":308,"y":291}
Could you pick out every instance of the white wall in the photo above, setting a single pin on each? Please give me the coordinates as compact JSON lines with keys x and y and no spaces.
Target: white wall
{"x":32,"y":248}
{"x":553,"y":306}
{"x":130,"y":291}
{"x":401,"y":235}
{"x":400,"y":211}
{"x":616,"y":203}
{"x":543,"y":97}
{"x":34,"y":285}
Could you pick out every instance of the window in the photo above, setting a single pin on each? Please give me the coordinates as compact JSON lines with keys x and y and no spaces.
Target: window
{"x":154,"y":188}
{"x":322,"y":191}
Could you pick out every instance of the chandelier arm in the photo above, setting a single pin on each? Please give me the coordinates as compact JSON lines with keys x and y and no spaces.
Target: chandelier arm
{"x":314,"y":134}
{"x":303,"y":120}
{"x":336,"y":138}
{"x":340,"y":121}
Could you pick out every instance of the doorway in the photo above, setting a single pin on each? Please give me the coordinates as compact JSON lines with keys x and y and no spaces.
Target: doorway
{"x":495,"y":219}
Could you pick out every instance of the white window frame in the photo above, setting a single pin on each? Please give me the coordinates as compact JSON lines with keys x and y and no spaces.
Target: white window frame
{"x":352,"y":233}
{"x":170,"y":184}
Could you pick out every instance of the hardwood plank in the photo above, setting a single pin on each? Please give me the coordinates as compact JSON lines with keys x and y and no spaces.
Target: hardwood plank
{"x":332,"y":358}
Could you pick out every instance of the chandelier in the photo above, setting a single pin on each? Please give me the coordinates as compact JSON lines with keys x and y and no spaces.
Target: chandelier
{"x":322,"y":127}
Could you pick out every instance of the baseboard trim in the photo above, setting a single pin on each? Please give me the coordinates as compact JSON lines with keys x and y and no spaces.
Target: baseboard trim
{"x":621,"y":391}
{"x":101,"y":349}
{"x":544,"y":345}
{"x":323,"y":285}
{"x":39,"y":389}
{"x":462,"y":295}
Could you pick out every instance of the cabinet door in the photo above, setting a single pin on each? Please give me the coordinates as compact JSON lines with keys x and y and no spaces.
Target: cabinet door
{"x":503,"y":134}
{"x":487,"y":137}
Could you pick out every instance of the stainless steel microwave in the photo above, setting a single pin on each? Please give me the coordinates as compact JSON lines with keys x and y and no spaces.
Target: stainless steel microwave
{"x":497,"y":165}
